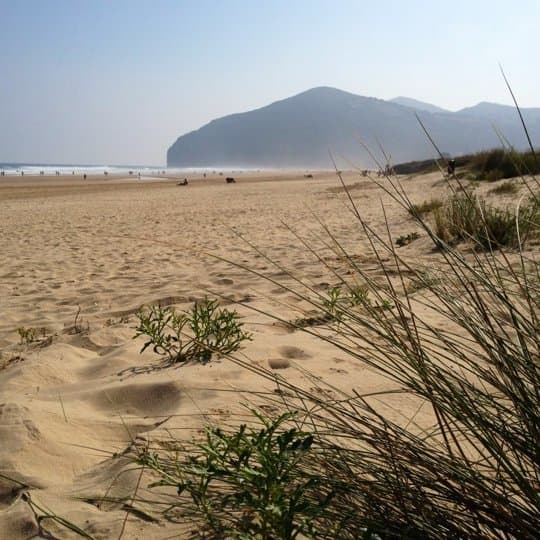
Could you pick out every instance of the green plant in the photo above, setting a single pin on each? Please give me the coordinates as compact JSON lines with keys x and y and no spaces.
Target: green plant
{"x":331,"y":303}
{"x":27,"y":335}
{"x":405,"y":240}
{"x":358,"y":295}
{"x":252,"y":482}
{"x":334,"y":305}
{"x":193,"y":335}
{"x":337,"y":301}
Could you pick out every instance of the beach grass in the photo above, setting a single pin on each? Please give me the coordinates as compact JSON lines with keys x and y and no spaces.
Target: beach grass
{"x":471,"y":472}
{"x":468,"y":217}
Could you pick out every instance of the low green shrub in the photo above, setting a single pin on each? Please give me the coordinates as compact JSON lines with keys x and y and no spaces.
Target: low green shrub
{"x":193,"y":335}
{"x":333,"y":306}
{"x":252,"y":482}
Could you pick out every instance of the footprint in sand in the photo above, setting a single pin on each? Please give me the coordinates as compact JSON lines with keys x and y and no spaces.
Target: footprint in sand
{"x":279,"y":363}
{"x":140,"y":399}
{"x":16,"y":430}
{"x":337,"y":370}
{"x":294,"y":353}
{"x":224,"y":281}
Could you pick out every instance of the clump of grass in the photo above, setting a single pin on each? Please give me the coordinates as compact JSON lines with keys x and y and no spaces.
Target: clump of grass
{"x":500,"y":163}
{"x":465,"y":216}
{"x":193,"y":335}
{"x":488,"y":165}
{"x":425,"y":208}
{"x":506,"y":188}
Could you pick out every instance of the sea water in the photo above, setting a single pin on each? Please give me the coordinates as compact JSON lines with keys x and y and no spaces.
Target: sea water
{"x":24,"y":169}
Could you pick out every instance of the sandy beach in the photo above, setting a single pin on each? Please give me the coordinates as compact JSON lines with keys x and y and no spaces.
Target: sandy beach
{"x":79,"y":259}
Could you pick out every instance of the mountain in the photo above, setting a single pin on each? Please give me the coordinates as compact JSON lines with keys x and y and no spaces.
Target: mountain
{"x":417,"y":105}
{"x":503,"y":114}
{"x":301,"y":131}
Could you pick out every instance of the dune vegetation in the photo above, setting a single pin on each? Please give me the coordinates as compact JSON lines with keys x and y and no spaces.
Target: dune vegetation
{"x":488,"y":165}
{"x":339,"y":467}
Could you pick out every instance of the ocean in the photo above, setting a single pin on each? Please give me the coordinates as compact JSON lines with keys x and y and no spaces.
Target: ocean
{"x":26,"y":169}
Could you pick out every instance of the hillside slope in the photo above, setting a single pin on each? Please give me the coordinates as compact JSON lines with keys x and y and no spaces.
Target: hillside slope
{"x":302,"y":131}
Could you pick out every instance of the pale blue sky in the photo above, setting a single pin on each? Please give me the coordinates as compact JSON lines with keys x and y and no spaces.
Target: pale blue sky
{"x":117,"y":81}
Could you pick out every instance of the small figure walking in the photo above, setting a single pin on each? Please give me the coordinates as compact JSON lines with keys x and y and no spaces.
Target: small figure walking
{"x":451,"y":167}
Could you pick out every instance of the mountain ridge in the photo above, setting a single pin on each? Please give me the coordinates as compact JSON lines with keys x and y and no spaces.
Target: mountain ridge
{"x":416,"y":104}
{"x":301,"y":130}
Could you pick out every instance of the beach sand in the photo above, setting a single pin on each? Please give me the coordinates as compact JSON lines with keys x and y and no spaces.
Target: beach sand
{"x":78,"y":260}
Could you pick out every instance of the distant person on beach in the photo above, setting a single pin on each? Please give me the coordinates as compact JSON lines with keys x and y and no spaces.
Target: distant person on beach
{"x":84,"y":176}
{"x":451,"y":167}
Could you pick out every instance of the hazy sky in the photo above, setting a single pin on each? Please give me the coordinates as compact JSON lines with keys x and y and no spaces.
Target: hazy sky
{"x":117,"y":81}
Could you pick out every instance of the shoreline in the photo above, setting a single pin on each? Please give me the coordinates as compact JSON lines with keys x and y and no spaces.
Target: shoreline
{"x":20,"y":187}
